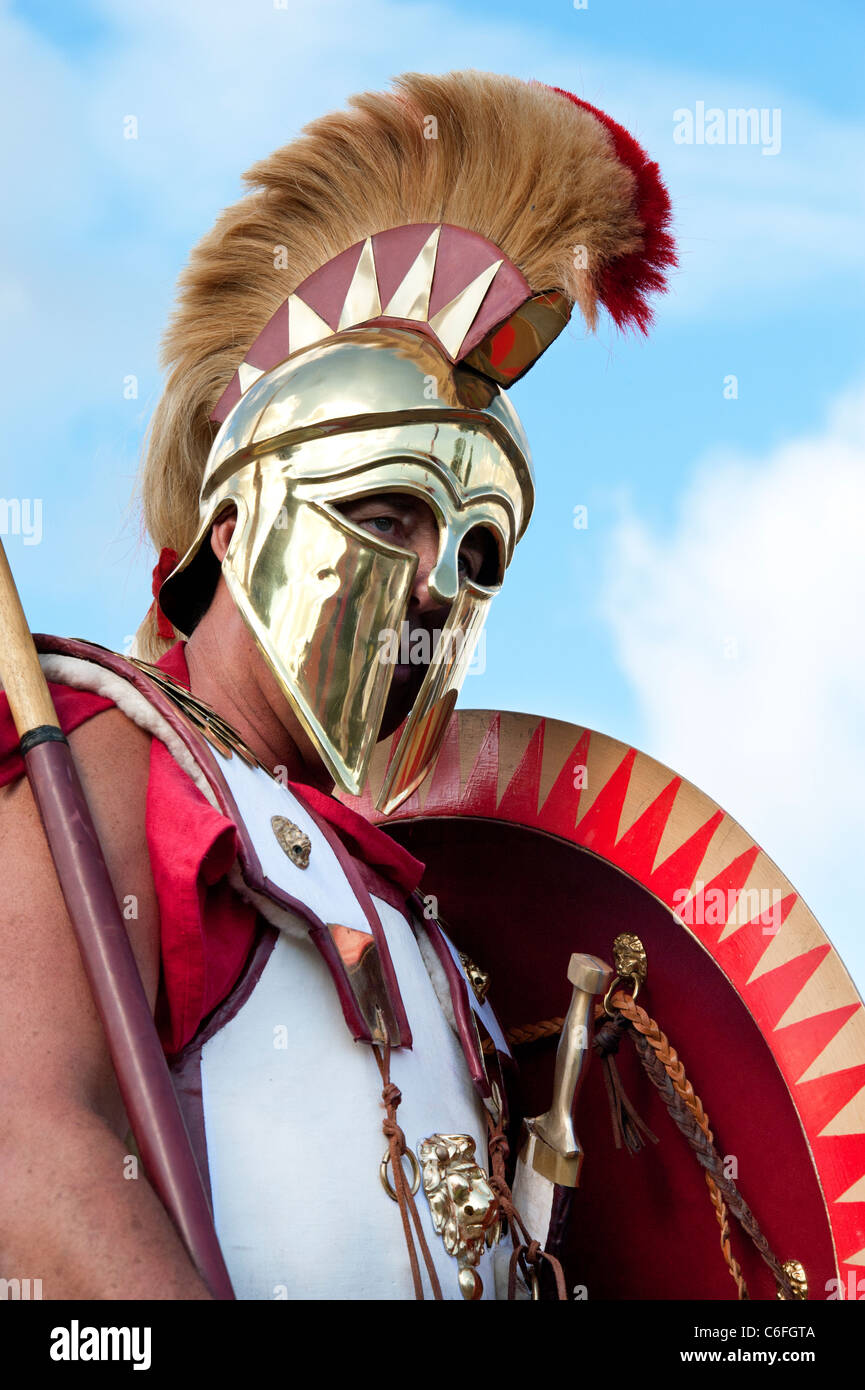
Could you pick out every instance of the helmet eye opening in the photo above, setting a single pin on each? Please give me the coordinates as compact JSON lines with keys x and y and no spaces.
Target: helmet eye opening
{"x":481,"y":556}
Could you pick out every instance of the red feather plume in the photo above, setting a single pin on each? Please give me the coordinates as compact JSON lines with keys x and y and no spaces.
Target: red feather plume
{"x":624,"y":284}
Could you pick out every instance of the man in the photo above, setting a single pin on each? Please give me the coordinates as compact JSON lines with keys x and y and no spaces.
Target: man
{"x":351,"y":325}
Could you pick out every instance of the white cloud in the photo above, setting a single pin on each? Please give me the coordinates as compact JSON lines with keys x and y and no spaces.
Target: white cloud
{"x":741,"y":633}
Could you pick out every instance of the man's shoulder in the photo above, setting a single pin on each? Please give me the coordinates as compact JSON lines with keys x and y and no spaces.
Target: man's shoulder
{"x":82,"y":688}
{"x":112,"y":758}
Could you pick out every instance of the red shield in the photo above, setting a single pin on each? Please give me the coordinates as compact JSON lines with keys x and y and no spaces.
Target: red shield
{"x":542,"y":838}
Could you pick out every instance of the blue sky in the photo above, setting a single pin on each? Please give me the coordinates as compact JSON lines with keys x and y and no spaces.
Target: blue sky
{"x":711,"y":521}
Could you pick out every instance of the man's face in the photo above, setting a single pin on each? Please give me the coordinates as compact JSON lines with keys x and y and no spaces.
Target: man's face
{"x":406,"y":521}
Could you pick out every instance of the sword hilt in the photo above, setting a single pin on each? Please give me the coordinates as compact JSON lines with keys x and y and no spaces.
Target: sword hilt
{"x":550,"y":1144}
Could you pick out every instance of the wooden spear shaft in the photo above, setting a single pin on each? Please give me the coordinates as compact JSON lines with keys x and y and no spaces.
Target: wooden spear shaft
{"x":109,"y":963}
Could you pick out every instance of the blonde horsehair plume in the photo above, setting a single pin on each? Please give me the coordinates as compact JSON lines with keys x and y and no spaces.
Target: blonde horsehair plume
{"x":566,"y":194}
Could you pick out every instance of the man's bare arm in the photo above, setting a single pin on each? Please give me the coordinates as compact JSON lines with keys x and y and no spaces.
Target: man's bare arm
{"x":69,"y":1215}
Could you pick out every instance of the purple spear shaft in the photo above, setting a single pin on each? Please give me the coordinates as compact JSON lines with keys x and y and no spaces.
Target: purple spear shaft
{"x":109,"y":963}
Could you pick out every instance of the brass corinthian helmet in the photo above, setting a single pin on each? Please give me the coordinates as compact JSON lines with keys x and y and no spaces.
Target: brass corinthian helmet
{"x":384,"y":370}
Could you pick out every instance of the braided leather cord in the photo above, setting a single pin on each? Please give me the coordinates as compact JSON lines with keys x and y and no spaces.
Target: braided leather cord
{"x":684,"y":1105}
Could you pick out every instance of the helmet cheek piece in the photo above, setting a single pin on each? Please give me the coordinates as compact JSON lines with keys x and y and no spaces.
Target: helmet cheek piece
{"x":317,"y":594}
{"x":424,"y":729}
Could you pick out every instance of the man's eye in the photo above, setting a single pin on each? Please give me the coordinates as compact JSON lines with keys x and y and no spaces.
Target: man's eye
{"x":469,"y":564}
{"x":381,"y":523}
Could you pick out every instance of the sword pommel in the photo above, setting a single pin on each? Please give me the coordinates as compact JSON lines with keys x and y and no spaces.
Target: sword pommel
{"x":588,"y":974}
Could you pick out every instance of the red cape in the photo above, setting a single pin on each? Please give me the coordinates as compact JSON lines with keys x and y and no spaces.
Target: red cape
{"x":206,"y":929}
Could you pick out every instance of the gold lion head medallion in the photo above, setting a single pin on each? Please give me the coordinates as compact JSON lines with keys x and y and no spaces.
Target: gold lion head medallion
{"x":465,"y":1210}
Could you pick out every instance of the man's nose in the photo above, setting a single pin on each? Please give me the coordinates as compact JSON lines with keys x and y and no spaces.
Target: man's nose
{"x":431,"y":592}
{"x":437,"y":579}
